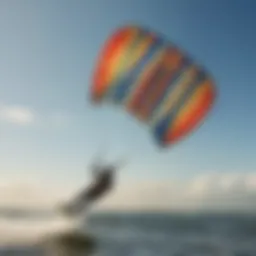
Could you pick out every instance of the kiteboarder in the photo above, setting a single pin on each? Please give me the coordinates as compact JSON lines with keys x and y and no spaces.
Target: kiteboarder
{"x":103,"y":183}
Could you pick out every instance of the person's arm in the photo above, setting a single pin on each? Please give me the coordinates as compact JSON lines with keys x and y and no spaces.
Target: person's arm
{"x":95,"y":171}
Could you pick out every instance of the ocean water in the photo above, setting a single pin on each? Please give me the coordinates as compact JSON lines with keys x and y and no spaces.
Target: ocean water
{"x":135,"y":235}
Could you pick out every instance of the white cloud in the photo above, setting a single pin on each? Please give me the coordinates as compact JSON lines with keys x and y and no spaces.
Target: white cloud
{"x":220,"y":192}
{"x":20,"y":115}
{"x":24,"y":195}
{"x":16,"y":114}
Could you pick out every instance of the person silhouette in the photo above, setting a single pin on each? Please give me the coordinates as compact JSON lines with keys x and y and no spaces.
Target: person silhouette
{"x":102,"y":184}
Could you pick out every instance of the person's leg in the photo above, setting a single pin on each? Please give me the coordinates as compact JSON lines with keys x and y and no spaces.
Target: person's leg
{"x":75,"y":208}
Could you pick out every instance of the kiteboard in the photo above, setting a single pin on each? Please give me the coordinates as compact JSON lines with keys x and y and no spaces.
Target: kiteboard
{"x":71,"y":238}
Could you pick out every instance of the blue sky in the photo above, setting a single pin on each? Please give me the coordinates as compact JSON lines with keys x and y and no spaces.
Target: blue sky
{"x":48,"y":51}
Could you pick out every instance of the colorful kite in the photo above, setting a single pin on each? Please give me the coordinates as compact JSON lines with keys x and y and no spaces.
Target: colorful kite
{"x":154,"y":81}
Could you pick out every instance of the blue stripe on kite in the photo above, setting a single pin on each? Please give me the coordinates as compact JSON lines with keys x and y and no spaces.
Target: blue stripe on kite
{"x":126,"y":82}
{"x":137,"y":40}
{"x":172,"y":84}
{"x":162,"y":126}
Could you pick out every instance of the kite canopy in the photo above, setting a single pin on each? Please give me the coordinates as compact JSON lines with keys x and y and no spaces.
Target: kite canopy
{"x":154,"y":81}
